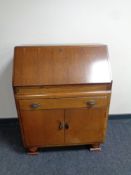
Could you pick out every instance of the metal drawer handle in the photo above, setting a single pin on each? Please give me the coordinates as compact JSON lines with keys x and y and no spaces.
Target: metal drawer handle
{"x":91,"y":103}
{"x":35,"y":105}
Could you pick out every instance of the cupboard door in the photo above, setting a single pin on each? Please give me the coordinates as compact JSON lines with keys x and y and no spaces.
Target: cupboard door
{"x":85,"y":125}
{"x":42,"y":127}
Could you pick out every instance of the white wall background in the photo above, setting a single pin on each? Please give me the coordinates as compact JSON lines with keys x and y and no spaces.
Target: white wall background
{"x":67,"y":22}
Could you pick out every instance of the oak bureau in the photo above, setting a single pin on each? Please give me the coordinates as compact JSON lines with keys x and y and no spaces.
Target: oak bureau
{"x":62,"y":95}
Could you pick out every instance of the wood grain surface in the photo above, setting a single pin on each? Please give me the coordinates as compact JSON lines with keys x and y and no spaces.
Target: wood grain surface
{"x":48,"y":65}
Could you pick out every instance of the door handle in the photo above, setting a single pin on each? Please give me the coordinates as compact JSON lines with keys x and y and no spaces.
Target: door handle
{"x":66,"y":126}
{"x":61,"y":125}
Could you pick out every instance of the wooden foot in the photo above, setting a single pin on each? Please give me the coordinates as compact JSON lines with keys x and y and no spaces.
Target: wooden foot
{"x":33,"y":151}
{"x":95,"y":147}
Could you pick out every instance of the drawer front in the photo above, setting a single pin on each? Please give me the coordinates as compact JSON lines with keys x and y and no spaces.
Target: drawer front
{"x":63,"y":103}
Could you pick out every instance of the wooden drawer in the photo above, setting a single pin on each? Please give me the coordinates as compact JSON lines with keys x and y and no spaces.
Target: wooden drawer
{"x":78,"y":102}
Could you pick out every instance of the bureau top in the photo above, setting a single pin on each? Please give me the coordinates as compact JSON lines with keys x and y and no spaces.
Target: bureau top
{"x":58,"y":65}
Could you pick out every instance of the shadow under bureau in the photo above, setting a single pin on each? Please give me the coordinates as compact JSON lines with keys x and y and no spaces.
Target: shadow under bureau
{"x":62,"y":95}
